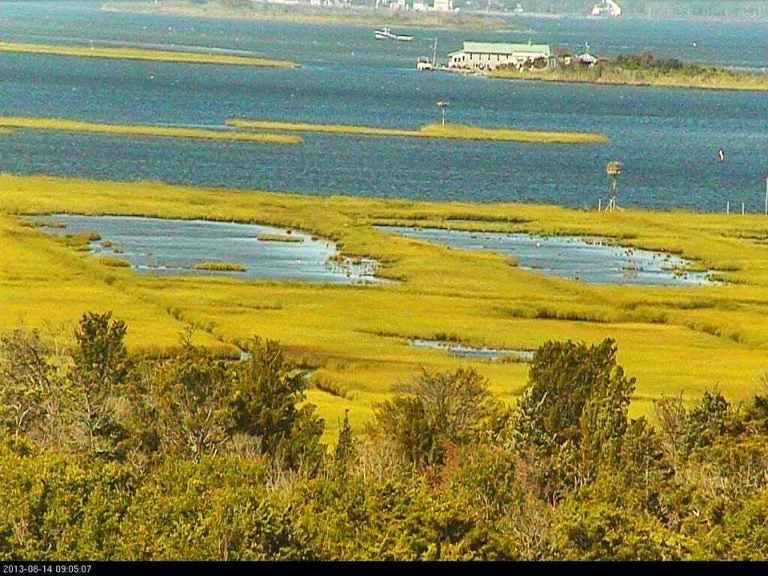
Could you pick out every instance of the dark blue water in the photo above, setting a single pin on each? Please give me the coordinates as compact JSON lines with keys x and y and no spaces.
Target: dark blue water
{"x":667,"y":139}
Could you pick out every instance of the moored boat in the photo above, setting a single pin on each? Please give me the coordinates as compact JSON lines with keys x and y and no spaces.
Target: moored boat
{"x":423,"y":63}
{"x":387,"y":34}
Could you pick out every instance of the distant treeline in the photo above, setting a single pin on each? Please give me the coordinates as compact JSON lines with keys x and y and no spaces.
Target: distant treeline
{"x":189,"y":457}
{"x":642,"y":69}
{"x":740,"y":9}
{"x":743,"y":9}
{"x":647,"y":61}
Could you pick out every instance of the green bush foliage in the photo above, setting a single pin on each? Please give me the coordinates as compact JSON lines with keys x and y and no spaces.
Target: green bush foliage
{"x":105,"y":456}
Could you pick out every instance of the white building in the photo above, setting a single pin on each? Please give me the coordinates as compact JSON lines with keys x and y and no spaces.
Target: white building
{"x":490,"y":55}
{"x":422,"y":5}
{"x":606,"y":7}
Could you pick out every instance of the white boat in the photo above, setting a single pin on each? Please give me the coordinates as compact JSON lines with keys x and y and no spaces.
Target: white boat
{"x":423,"y":63}
{"x":606,"y":7}
{"x":387,"y":34}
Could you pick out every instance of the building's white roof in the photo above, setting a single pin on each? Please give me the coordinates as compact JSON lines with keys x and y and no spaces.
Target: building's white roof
{"x":503,"y":48}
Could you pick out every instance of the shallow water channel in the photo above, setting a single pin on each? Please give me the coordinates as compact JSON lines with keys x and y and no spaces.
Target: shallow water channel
{"x":464,"y":351}
{"x":173,"y":247}
{"x":590,"y":260}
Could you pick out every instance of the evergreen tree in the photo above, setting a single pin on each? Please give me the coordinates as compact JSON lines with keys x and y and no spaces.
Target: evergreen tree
{"x":101,"y":367}
{"x":265,"y":401}
{"x":345,"y":454}
{"x":573,"y":414}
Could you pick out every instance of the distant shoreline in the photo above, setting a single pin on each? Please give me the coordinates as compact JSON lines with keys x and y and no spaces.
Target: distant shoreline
{"x":622,"y":18}
{"x":354,"y":16}
{"x":361,"y":16}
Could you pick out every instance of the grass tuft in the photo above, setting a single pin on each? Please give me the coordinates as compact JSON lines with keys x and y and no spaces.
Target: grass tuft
{"x":216,"y":266}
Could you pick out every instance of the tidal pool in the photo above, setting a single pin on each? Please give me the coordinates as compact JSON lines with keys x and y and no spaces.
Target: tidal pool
{"x":173,"y":247}
{"x":590,"y":260}
{"x":472,"y":352}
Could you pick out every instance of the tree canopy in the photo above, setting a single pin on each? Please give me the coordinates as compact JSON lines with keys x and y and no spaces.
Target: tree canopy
{"x":191,"y":457}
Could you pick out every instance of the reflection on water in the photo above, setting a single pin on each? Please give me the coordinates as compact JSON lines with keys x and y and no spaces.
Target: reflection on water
{"x":589,"y":260}
{"x":172,"y":247}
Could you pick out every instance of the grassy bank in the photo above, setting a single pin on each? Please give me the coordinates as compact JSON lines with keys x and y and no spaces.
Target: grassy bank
{"x":357,"y":16}
{"x":449,"y":131}
{"x":706,"y":78}
{"x":142,"y":54}
{"x":675,"y":340}
{"x":64,"y":125}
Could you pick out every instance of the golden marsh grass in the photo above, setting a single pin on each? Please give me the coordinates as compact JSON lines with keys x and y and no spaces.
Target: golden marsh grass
{"x":143,"y":54}
{"x":708,"y":79}
{"x":675,"y":340}
{"x":450,"y":131}
{"x":64,"y":125}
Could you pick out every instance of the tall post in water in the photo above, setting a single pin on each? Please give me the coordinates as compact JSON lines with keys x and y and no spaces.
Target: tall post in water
{"x":613,"y":169}
{"x":442,"y":105}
